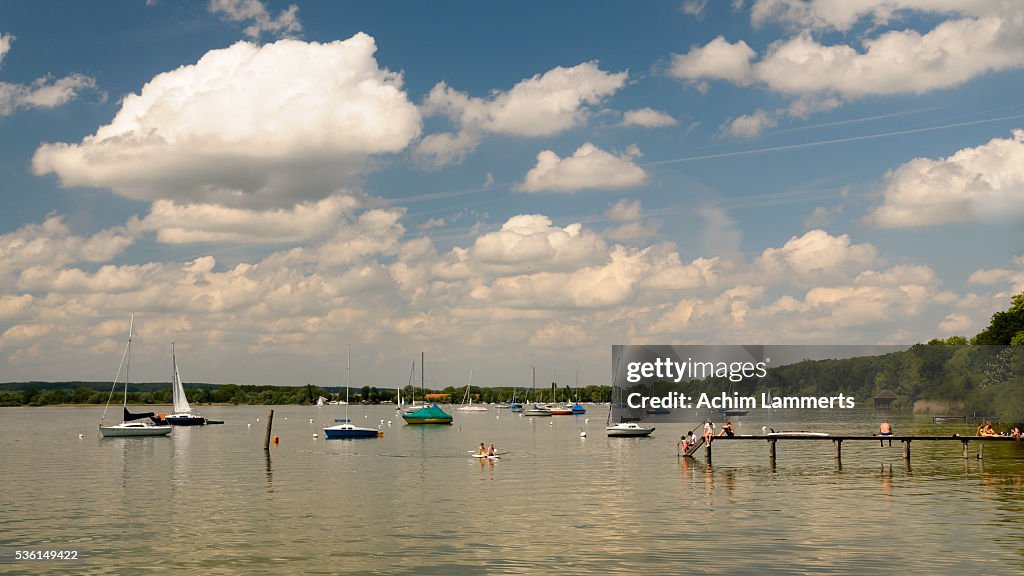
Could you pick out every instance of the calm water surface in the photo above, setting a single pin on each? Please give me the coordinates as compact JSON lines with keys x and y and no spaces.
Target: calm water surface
{"x":210,"y":500}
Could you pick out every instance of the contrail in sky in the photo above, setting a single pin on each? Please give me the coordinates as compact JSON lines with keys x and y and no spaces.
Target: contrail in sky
{"x":834,"y":141}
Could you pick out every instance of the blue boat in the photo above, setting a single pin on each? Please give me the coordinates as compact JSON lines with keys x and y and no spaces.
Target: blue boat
{"x":515,"y":407}
{"x":350,"y":431}
{"x":345,"y":428}
{"x":577,"y":409}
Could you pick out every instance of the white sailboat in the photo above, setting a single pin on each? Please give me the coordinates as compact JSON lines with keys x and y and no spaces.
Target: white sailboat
{"x":537,"y":409}
{"x":131,"y":424}
{"x":347,"y":430}
{"x":183,"y":414}
{"x":467,"y":401}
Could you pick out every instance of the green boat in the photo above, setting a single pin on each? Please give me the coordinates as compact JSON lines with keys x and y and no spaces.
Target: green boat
{"x":428,"y":415}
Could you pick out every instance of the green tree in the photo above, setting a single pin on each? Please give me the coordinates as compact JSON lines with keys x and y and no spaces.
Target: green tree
{"x":1004,"y":326}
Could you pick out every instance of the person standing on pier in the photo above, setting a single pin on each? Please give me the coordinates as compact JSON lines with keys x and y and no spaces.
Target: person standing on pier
{"x":885,"y":429}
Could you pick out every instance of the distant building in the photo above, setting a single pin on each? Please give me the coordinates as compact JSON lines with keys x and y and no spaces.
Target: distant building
{"x":885,"y":398}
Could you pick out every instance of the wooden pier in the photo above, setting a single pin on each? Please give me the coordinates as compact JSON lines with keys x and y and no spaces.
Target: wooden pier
{"x":837,"y":442}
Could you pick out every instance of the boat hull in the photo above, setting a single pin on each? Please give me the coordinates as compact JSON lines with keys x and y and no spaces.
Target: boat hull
{"x":426,"y":420}
{"x":122,"y":431}
{"x":627,"y":430}
{"x":189,"y":420}
{"x":337,"y":432}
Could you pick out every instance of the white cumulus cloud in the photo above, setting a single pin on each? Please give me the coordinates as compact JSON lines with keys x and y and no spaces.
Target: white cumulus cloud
{"x":246,"y":126}
{"x":588,"y":168}
{"x":543,"y":105}
{"x":44,"y":92}
{"x":981,"y":183}
{"x":648,"y":118}
{"x":285,"y":24}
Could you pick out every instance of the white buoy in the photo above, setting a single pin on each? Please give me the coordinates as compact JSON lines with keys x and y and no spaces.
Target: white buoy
{"x":583,"y":434}
{"x":381,"y":420}
{"x":763,"y":428}
{"x":315,"y":436}
{"x":586,"y":420}
{"x":310,"y":420}
{"x":389,"y":422}
{"x":249,"y":425}
{"x":81,"y":435}
{"x":257,"y":419}
{"x":550,"y":423}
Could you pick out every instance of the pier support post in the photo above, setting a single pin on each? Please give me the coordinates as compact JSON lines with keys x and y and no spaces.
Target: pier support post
{"x":906,"y":450}
{"x":270,"y":424}
{"x":981,"y":450}
{"x":964,"y":442}
{"x":707,"y":452}
{"x":839,"y":451}
{"x":771,"y":449}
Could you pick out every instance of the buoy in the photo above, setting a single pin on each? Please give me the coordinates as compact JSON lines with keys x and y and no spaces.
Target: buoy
{"x":275,"y":439}
{"x":310,"y":420}
{"x":315,"y":436}
{"x":249,"y":425}
{"x":389,"y":422}
{"x":763,"y":428}
{"x":551,"y":423}
{"x":381,"y":420}
{"x":583,"y":434}
{"x":257,"y":419}
{"x":81,"y":435}
{"x":586,"y":420}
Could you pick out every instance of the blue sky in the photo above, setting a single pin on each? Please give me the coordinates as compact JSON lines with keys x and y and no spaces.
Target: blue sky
{"x":498,"y":185}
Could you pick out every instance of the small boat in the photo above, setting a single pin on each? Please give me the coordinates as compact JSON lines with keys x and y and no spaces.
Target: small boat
{"x":467,"y":401}
{"x":491,"y":457}
{"x":208,"y":421}
{"x":502,"y":406}
{"x":537,"y":409}
{"x":514,"y":407}
{"x":947,"y":419}
{"x":578,"y":409}
{"x":561,"y":410}
{"x":346,"y":429}
{"x":628,"y":429}
{"x":432,"y":414}
{"x":131,"y":424}
{"x":183,"y":414}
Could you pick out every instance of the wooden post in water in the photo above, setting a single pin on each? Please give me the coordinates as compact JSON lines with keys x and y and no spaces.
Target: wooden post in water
{"x":906,"y":450}
{"x":771,"y":449}
{"x":270,"y":423}
{"x":981,"y":450}
{"x":707,"y":452}
{"x":839,"y":451}
{"x":964,"y":442}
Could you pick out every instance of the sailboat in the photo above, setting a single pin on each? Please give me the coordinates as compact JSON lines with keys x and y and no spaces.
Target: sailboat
{"x":467,"y":401}
{"x":432,"y":414}
{"x":578,"y":409}
{"x":132,"y":424}
{"x":183,"y":414}
{"x":622,"y":429}
{"x":536,"y":409}
{"x":346,"y":429}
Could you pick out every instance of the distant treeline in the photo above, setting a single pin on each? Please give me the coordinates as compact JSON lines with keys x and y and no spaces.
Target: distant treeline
{"x":49,"y":393}
{"x":985,"y":372}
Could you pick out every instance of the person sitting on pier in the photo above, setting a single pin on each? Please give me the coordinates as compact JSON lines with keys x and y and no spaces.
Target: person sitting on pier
{"x":727,"y":430}
{"x":709,"y":432}
{"x":884,"y":429}
{"x":1015,"y":432}
{"x":988,"y":430}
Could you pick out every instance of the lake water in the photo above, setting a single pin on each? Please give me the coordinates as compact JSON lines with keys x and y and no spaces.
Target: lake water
{"x":211,"y":500}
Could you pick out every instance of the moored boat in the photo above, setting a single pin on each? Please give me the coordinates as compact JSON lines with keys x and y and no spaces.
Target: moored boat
{"x":625,"y":429}
{"x":346,"y":429}
{"x":432,"y":414}
{"x":131,"y":424}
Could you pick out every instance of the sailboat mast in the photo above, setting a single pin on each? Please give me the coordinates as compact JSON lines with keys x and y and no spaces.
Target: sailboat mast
{"x":423,"y":387}
{"x":348,"y":379}
{"x":128,"y":365}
